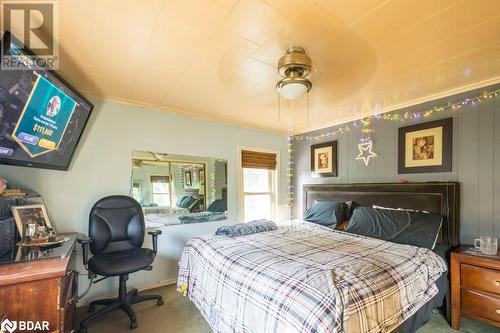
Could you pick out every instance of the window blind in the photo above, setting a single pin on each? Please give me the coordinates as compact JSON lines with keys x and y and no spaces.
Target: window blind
{"x":159,"y":179}
{"x":258,"y":160}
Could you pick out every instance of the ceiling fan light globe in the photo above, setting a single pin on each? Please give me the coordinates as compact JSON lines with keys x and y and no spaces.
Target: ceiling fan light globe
{"x":293,"y":90}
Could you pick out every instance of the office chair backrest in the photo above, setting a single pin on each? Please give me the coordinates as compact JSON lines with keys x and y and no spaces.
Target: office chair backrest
{"x":116,"y":223}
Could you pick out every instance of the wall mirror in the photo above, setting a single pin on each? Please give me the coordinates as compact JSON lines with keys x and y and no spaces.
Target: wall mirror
{"x":179,"y":189}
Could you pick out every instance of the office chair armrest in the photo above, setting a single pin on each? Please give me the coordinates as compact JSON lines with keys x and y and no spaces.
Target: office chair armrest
{"x":84,"y":241}
{"x":155,"y":234}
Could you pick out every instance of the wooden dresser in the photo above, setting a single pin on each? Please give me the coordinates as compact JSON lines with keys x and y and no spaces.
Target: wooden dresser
{"x":40,"y":286}
{"x":475,"y":287}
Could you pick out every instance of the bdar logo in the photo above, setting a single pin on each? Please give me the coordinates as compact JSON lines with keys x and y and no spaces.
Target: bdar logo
{"x":23,"y":325}
{"x":8,"y":326}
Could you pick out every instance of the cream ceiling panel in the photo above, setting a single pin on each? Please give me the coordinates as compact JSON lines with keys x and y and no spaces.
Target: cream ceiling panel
{"x":290,"y":8}
{"x":228,"y":3}
{"x":463,"y":16}
{"x":108,"y":86}
{"x":255,"y":20}
{"x":403,"y":14}
{"x":348,"y":11}
{"x":255,"y":70}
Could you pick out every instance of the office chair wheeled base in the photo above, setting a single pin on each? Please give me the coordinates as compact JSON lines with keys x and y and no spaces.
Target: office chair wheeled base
{"x":124,"y":302}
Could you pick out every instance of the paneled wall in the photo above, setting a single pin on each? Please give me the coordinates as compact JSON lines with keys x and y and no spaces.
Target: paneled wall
{"x":476,"y":161}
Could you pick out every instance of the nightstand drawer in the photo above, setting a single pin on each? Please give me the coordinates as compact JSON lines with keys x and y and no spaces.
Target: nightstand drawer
{"x":481,"y":305}
{"x":479,"y":278}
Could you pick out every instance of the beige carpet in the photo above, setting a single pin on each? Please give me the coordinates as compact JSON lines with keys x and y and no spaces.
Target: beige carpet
{"x":179,"y":315}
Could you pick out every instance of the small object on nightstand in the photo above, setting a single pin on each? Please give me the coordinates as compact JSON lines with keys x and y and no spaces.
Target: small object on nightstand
{"x":475,"y":286}
{"x":487,"y":245}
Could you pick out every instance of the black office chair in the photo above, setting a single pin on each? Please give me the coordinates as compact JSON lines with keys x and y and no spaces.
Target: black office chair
{"x":116,"y":230}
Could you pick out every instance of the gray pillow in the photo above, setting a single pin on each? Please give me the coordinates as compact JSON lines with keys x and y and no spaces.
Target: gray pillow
{"x":327,"y":213}
{"x":412,"y":228}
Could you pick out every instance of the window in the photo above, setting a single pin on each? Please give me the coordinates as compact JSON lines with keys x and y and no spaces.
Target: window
{"x":137,"y":191}
{"x":258,"y":185}
{"x":160,"y":190}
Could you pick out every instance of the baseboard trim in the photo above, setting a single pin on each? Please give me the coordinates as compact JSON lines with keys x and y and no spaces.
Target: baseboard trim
{"x":158,"y":284}
{"x":150,"y":286}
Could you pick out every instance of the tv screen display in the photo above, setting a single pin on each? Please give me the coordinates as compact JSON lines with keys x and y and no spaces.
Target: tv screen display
{"x":41,"y":116}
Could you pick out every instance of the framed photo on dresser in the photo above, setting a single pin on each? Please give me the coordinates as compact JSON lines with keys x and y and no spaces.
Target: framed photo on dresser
{"x":426,"y":147}
{"x":324,"y":159}
{"x":34,"y":215}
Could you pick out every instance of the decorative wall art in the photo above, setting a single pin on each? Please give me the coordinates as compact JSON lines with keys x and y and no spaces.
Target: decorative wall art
{"x":324,"y":159}
{"x":365,"y":145}
{"x":426,"y":147}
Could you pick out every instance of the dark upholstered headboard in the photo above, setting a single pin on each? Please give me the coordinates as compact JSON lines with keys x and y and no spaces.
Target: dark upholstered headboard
{"x":441,"y":198}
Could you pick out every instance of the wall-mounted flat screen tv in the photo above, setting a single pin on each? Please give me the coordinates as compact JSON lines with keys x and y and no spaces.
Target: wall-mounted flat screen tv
{"x":42,"y":117}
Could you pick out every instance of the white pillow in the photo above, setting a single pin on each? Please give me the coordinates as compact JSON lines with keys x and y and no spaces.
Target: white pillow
{"x":401,"y":209}
{"x":437,"y":235}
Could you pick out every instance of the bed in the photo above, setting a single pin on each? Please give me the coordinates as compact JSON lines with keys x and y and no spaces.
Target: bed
{"x":308,"y":278}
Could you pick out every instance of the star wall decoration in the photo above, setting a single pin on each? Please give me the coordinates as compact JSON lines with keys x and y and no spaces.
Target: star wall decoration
{"x":365,"y":152}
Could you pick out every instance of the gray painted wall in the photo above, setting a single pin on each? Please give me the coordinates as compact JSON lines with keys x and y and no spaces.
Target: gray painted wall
{"x":102,"y":166}
{"x":476,"y":161}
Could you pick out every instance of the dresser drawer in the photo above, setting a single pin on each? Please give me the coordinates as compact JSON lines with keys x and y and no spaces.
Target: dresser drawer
{"x":479,"y":278}
{"x":481,"y":305}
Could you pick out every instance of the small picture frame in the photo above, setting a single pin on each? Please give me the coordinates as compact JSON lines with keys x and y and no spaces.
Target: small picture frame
{"x":324,"y":159}
{"x":426,"y":147}
{"x":31,"y":214}
{"x":201,"y":176}
{"x":188,"y":180}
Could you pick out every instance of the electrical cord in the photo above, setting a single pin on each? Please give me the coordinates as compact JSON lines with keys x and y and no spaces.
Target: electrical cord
{"x":78,"y":298}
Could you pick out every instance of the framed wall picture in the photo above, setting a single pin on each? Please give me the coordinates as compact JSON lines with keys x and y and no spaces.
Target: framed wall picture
{"x":324,"y":159}
{"x":188,"y":181}
{"x":32,"y":215}
{"x":201,"y":176}
{"x":426,"y":147}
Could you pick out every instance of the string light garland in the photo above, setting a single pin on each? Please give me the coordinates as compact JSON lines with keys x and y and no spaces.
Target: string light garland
{"x":213,"y":178}
{"x":395,"y":116}
{"x":289,"y":174}
{"x":365,"y":145}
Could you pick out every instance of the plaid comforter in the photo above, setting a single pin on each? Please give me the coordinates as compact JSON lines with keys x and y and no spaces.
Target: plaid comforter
{"x":306,"y":278}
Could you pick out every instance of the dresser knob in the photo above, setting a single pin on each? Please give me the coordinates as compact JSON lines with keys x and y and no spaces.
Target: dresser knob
{"x":497,"y":283}
{"x":497,"y":311}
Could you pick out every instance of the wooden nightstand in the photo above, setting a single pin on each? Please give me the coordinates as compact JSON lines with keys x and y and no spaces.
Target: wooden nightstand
{"x":475,"y":287}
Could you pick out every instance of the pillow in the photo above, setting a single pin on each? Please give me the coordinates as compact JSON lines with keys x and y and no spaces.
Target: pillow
{"x":218,"y":205}
{"x":398,"y":226}
{"x":193,"y":203}
{"x":186,"y":201}
{"x":327,"y":213}
{"x":348,"y":203}
{"x":181,"y":201}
